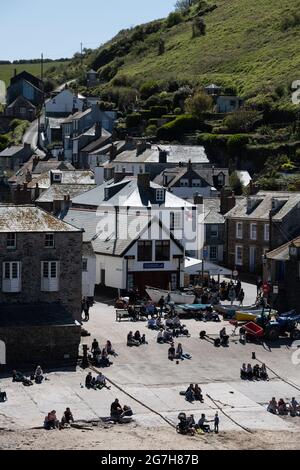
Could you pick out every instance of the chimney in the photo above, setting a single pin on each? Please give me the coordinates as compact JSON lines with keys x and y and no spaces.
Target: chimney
{"x":28,"y":176}
{"x":112,"y":152}
{"x":190,"y":166}
{"x":119,"y":177}
{"x":35,"y":161}
{"x":228,"y":200}
{"x":15,"y":72}
{"x":143,"y":180}
{"x":198,"y":200}
{"x":140,"y":148}
{"x":162,"y":156}
{"x":99,"y":175}
{"x":36,"y":191}
{"x":98,"y":129}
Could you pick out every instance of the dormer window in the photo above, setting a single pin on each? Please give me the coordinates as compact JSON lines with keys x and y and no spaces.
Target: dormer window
{"x":160,"y":195}
{"x":57,"y":177}
{"x":106,"y":194}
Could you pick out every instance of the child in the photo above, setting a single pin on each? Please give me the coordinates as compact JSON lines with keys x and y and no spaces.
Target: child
{"x":216,"y":423}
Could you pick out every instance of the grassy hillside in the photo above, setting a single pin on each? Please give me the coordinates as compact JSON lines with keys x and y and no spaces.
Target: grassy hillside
{"x":7,"y":71}
{"x":252,"y":44}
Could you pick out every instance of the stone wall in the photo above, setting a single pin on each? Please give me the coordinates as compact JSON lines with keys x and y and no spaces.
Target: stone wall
{"x":41,"y":345}
{"x":31,"y":252}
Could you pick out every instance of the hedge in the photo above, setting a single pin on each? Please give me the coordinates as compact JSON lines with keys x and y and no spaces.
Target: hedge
{"x":133,"y":120}
{"x":182,"y":124}
{"x":158,"y":111}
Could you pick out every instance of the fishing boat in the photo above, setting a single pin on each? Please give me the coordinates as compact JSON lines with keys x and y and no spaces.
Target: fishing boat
{"x":177,"y":297}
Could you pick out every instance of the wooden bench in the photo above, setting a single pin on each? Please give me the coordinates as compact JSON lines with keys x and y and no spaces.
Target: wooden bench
{"x":122,"y":314}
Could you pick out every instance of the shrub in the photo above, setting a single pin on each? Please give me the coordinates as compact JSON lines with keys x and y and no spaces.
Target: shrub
{"x":198,"y":104}
{"x":243,"y":120}
{"x":236,"y":143}
{"x":151,"y":131}
{"x":152,"y":122}
{"x":174,"y":18}
{"x":149,"y":88}
{"x":133,"y":120}
{"x":158,"y":111}
{"x":180,"y":125}
{"x":121,"y":81}
{"x":145,"y":113}
{"x":177,"y":111}
{"x":236,"y":184}
{"x":4,"y":140}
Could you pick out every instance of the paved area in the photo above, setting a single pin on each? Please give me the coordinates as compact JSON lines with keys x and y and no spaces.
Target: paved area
{"x":146,"y":374}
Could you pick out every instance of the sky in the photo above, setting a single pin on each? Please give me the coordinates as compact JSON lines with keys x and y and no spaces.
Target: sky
{"x":57,"y":27}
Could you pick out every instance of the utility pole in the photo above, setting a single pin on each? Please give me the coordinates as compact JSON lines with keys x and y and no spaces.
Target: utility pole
{"x":81,"y":57}
{"x":42,"y":66}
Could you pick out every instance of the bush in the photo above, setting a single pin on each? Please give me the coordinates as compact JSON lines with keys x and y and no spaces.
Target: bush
{"x":133,"y":120}
{"x":236,"y":184}
{"x":243,"y":120}
{"x":212,"y":139}
{"x":177,"y":111}
{"x":158,"y":111}
{"x":145,"y":113}
{"x":151,"y":131}
{"x":4,"y":140}
{"x":174,"y":18}
{"x":236,"y":143}
{"x":149,"y":88}
{"x":180,"y":125}
{"x":198,"y":104}
{"x":121,"y":81}
{"x":152,"y":122}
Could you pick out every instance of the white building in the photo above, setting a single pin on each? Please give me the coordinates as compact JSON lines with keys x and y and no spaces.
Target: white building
{"x":64,"y":103}
{"x":88,"y":270}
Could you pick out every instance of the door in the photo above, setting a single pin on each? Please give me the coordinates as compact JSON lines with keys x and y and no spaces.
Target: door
{"x":2,"y":353}
{"x":252,"y":259}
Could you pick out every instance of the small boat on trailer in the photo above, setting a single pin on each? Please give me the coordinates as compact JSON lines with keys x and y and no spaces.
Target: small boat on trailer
{"x":177,"y":297}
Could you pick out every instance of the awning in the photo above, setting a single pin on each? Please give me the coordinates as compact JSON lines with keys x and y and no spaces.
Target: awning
{"x":193,"y":267}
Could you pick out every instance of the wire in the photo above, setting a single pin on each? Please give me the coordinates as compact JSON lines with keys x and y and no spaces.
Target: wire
{"x":229,"y":417}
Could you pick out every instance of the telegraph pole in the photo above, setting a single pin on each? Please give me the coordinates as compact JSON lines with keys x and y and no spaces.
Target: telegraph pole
{"x":81,"y":57}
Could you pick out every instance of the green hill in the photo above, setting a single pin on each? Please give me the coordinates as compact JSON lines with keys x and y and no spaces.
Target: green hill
{"x":7,"y":70}
{"x":251,"y":44}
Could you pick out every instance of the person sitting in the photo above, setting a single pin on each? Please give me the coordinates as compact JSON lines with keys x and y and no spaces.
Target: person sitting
{"x":132,"y":313}
{"x":127,"y":412}
{"x":67,"y":417}
{"x":189,"y":394}
{"x":3,"y":396}
{"x":152,"y":323}
{"x":137,"y":337}
{"x":101,"y":381}
{"x":167,"y":336}
{"x":131,"y":341}
{"x":179,"y":352}
{"x":38,"y":375}
{"x":264,"y":373}
{"x":150,"y":308}
{"x":282,"y":408}
{"x":272,"y":407}
{"x":201,"y":424}
{"x":116,"y":410}
{"x":17,"y":376}
{"x":224,"y":337}
{"x":89,"y":381}
{"x":160,"y":336}
{"x":176,"y":322}
{"x":256,"y":372}
{"x":294,"y":407}
{"x":51,"y":421}
{"x":171,"y":352}
{"x":244,"y":375}
{"x":104,"y":361}
{"x":169,"y":323}
{"x":109,"y":349}
{"x":198,"y":393}
{"x":143,"y":339}
{"x":159,"y":323}
{"x":249,"y":372}
{"x":191,"y":421}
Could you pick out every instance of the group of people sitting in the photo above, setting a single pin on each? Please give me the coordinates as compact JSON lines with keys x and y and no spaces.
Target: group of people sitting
{"x":96,"y":383}
{"x":101,"y":357}
{"x":254,"y":373}
{"x":207,"y":314}
{"x":37,"y":377}
{"x":282,"y":408}
{"x":51,"y":421}
{"x":188,"y":425}
{"x":177,"y":353}
{"x":120,"y":414}
{"x":136,"y":339}
{"x":171,"y":329}
{"x":223,"y":339}
{"x":193,"y":393}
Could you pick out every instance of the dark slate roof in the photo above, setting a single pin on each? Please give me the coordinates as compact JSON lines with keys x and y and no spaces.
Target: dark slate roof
{"x":207,"y":174}
{"x":43,"y":166}
{"x":21,"y":100}
{"x":40,"y":314}
{"x":98,"y":143}
{"x":56,"y":192}
{"x":11,"y":151}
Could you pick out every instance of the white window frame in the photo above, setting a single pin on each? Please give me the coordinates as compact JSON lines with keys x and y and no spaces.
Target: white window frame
{"x":239,"y":230}
{"x":160,"y":195}
{"x":49,"y":283}
{"x":57,"y":177}
{"x":176,"y":220}
{"x":267,"y":232}
{"x":239,"y":260}
{"x":11,"y":283}
{"x":253,"y":236}
{"x":9,"y":245}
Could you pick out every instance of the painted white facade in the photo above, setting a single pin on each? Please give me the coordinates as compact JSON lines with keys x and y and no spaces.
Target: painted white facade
{"x":114,"y":269}
{"x":88,"y":275}
{"x":64,"y":102}
{"x":132,"y":168}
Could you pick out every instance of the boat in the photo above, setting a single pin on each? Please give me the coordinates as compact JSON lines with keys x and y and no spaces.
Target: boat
{"x":177,"y":297}
{"x":247,"y":316}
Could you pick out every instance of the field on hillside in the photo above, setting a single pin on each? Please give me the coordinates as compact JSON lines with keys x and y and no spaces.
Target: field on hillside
{"x":7,"y":71}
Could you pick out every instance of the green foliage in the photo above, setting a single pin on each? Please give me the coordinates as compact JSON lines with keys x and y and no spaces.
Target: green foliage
{"x":242,"y":120}
{"x":177,"y":111}
{"x":151,"y":131}
{"x":149,"y":88}
{"x":235,"y":184}
{"x":176,"y":128}
{"x":4,"y":140}
{"x":133,"y":120}
{"x":173,"y":19}
{"x":158,"y":111}
{"x":290,"y":20}
{"x":236,"y":143}
{"x":199,"y":104}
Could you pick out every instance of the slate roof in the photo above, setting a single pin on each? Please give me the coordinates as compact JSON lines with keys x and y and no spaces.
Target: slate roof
{"x":282,"y":252}
{"x":56,"y":192}
{"x":68,"y":177}
{"x":262,"y":205}
{"x":176,"y":154}
{"x":212,"y":214}
{"x":21,"y":100}
{"x":30,"y":219}
{"x":77,"y":115}
{"x":206,"y":173}
{"x":11,"y":151}
{"x":98,"y":143}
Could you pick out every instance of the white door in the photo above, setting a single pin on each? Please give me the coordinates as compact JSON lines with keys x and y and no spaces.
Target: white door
{"x":252,"y":259}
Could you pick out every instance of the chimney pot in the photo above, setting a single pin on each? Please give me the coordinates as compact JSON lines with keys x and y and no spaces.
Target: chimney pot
{"x":143,"y":180}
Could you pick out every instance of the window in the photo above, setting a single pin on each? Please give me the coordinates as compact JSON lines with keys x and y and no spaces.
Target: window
{"x":267,"y":232}
{"x":84,"y":265}
{"x":184,"y":183}
{"x":11,"y":276}
{"x":57,"y":177}
{"x":49,"y":240}
{"x":239,"y":255}
{"x":162,"y":250}
{"x":175,"y":220}
{"x":145,"y":251}
{"x":160,"y":195}
{"x":11,"y":241}
{"x":50,"y":276}
{"x":196,"y":183}
{"x":253,"y":232}
{"x":214,"y":231}
{"x":213,"y":253}
{"x":239,"y":230}
{"x":221,"y":179}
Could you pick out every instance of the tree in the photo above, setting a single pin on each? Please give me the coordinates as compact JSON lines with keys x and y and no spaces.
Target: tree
{"x":184,"y":5}
{"x":199,"y":27}
{"x":199,"y":104}
{"x":243,"y":120}
{"x":236,"y":184}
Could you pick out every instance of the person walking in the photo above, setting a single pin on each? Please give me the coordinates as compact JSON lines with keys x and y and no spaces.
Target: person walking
{"x":216,"y":423}
{"x":86,"y":309}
